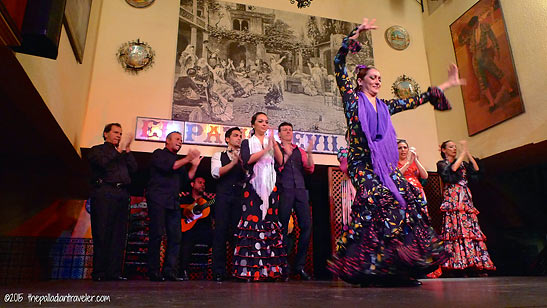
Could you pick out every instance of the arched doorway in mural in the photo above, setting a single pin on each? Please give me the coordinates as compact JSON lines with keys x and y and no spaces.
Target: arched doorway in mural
{"x":237,"y":52}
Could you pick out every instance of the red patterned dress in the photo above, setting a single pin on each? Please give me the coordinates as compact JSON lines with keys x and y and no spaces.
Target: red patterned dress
{"x":461,"y":231}
{"x":412,"y":175}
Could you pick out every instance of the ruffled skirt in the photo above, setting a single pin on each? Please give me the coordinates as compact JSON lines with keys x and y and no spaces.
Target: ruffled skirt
{"x":462,"y":234}
{"x":383,"y":240}
{"x":259,"y":252}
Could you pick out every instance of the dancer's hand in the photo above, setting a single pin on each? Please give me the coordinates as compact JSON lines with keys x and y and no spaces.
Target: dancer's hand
{"x":192,"y":154}
{"x":463,"y":144}
{"x":454,"y":79}
{"x":311,"y":143}
{"x":271,"y":140}
{"x":412,"y":156}
{"x":196,"y":160}
{"x":366,"y":25}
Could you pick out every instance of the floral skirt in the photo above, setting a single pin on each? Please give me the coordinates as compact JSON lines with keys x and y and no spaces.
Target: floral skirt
{"x":461,"y":231}
{"x":384,"y":240}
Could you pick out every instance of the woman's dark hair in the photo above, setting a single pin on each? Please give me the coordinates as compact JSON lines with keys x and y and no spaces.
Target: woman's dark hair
{"x":402,"y":141}
{"x":361,"y":73}
{"x":253,"y":119}
{"x":443,"y":146}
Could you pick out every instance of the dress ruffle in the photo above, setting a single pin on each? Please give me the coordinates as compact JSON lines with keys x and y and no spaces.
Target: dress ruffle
{"x":259,"y":253}
{"x":461,"y":231}
{"x":385,"y":241}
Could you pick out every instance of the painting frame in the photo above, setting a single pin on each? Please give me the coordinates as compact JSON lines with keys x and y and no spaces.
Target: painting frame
{"x":76,"y":21}
{"x":484,"y":57}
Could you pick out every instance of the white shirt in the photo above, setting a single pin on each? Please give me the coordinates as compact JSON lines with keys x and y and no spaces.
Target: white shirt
{"x":216,"y":164}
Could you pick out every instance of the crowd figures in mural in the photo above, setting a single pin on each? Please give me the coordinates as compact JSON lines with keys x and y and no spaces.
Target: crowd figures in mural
{"x":234,"y":60}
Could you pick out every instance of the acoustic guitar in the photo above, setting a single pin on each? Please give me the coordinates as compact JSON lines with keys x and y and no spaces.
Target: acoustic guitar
{"x":194,"y":211}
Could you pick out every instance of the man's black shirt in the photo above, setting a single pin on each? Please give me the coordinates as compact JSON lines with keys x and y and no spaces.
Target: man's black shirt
{"x":165,"y":183}
{"x":110,"y":166}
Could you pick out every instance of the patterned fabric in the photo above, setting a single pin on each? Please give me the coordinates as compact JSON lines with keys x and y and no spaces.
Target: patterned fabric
{"x":259,"y":252}
{"x":461,"y":231}
{"x":383,"y":240}
{"x":412,"y":175}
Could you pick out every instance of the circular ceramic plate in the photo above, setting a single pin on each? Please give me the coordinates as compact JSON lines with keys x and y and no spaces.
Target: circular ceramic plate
{"x":405,"y":87}
{"x":397,"y":37}
{"x":140,"y":3}
{"x":135,"y":55}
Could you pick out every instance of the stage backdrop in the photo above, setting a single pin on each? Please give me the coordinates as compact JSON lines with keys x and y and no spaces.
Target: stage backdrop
{"x":484,"y":57}
{"x":234,"y":60}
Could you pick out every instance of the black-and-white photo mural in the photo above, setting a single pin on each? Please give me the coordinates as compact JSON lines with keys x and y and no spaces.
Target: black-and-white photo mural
{"x":234,"y":60}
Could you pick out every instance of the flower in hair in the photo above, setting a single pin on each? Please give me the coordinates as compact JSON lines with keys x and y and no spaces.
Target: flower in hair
{"x":358,"y":67}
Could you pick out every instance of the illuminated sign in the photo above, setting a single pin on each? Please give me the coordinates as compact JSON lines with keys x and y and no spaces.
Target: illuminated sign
{"x":150,"y":129}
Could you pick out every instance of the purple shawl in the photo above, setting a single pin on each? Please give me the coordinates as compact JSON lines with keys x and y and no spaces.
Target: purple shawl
{"x":382,"y":141}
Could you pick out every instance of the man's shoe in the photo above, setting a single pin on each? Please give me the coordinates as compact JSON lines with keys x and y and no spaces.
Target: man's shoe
{"x":118,"y":278}
{"x":303,"y":274}
{"x":184,"y":275}
{"x":156,"y":277}
{"x":218,"y":277}
{"x":172,"y":277}
{"x":98,"y":278}
{"x":399,"y":282}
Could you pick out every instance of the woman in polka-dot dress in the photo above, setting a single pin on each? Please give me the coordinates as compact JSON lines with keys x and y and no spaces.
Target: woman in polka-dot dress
{"x":259,"y":252}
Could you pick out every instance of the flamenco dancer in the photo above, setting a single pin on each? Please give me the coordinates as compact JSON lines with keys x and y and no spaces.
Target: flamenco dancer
{"x":390,"y":240}
{"x":259,"y":253}
{"x":461,"y":231}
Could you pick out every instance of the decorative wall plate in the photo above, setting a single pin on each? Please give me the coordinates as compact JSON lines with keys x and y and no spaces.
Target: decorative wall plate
{"x":405,"y":87}
{"x":140,"y":3}
{"x":135,"y":56}
{"x":397,"y":37}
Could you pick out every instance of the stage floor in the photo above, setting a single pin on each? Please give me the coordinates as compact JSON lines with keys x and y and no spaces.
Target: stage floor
{"x":451,"y":292}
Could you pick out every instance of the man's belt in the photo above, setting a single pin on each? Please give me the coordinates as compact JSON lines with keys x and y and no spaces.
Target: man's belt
{"x":119,"y":185}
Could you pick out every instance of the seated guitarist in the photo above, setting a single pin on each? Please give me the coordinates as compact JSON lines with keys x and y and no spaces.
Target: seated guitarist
{"x":200,"y":232}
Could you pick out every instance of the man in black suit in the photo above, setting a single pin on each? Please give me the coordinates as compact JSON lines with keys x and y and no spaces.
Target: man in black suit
{"x":111,"y":166}
{"x":167,"y":173}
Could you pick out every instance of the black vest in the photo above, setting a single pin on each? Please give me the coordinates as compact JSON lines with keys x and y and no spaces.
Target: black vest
{"x":232,"y":181}
{"x":292,"y":175}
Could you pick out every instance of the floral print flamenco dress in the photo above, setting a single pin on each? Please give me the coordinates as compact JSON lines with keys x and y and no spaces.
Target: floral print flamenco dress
{"x":390,"y":236}
{"x":259,"y":252}
{"x":461,"y":231}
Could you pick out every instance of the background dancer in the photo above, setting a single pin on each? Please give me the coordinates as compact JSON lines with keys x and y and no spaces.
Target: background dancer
{"x":461,"y":231}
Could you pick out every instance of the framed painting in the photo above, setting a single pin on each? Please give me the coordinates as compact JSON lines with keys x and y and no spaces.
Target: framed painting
{"x":76,"y":21}
{"x":483,"y":54}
